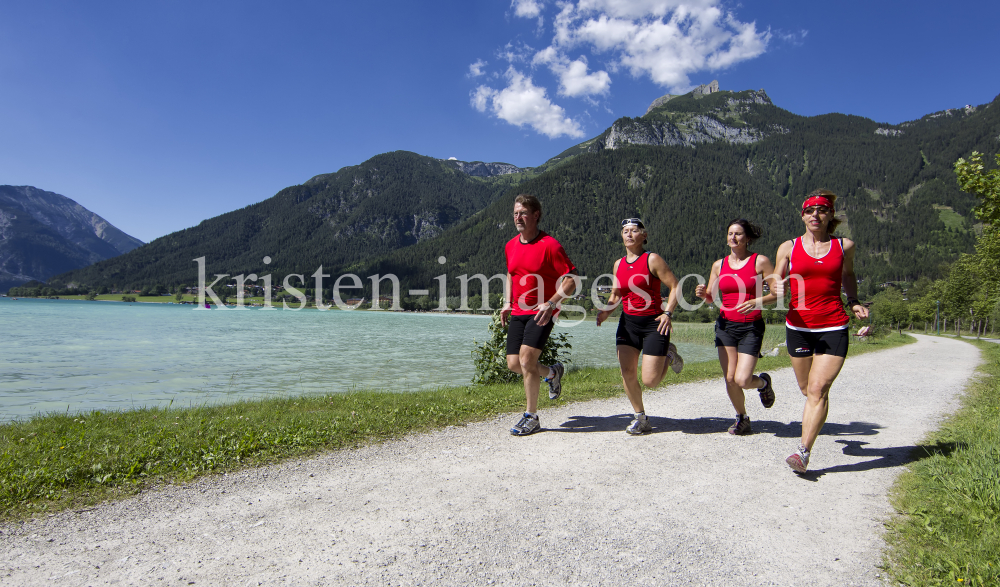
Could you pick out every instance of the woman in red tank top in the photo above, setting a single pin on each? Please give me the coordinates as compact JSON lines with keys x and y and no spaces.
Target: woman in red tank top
{"x":645,"y":324}
{"x":817,"y":265}
{"x":736,"y":283}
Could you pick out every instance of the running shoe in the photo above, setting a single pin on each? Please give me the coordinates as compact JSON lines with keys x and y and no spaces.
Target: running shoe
{"x":676,"y":362}
{"x":742,"y":425}
{"x":799,"y":460}
{"x":640,"y":425}
{"x":526,"y":425}
{"x":555,"y":381}
{"x":766,"y":392}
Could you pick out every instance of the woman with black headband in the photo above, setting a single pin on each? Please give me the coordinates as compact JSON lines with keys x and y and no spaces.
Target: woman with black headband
{"x":736,"y":285}
{"x":817,"y":266}
{"x":645,"y":324}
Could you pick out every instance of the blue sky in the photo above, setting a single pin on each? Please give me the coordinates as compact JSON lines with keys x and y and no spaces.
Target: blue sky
{"x":157,"y":115}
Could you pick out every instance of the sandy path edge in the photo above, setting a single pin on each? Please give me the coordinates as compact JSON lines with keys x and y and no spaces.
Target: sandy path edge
{"x":581,"y":503}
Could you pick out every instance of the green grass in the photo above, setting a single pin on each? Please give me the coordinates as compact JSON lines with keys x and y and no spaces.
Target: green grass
{"x":59,"y":461}
{"x":948,"y":530}
{"x":953,"y":220}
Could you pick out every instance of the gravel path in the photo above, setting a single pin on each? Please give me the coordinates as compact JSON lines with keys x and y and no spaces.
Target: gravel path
{"x":581,"y":503}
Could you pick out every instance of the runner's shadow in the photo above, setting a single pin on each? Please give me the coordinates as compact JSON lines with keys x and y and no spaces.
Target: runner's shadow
{"x":794,"y":429}
{"x":894,"y":456}
{"x":619,"y":422}
{"x":594,"y":423}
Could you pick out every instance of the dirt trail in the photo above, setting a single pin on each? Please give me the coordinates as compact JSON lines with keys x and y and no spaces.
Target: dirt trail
{"x":581,"y":503}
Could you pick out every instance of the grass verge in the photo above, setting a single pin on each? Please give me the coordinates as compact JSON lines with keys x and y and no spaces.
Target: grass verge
{"x":948,"y":532}
{"x":55,"y":462}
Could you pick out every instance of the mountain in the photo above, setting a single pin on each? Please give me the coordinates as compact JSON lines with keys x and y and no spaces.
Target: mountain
{"x":391,"y":201}
{"x":897,"y":190}
{"x":688,"y":166}
{"x":43,"y":234}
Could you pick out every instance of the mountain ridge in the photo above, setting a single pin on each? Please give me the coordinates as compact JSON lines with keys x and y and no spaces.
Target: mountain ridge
{"x":44,"y":233}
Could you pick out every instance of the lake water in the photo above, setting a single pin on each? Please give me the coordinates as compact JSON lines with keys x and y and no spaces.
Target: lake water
{"x":61,"y":355}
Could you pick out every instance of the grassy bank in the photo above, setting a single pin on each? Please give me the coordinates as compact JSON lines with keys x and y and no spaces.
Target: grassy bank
{"x":56,"y":461}
{"x":948,"y":532}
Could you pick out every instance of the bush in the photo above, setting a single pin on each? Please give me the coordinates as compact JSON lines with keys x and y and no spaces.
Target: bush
{"x":491,"y":357}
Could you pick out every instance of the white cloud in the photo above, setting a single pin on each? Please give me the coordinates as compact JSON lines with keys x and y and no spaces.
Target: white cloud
{"x":574,"y":80}
{"x":796,"y":39}
{"x":515,"y":53}
{"x":452,"y":158}
{"x":476,"y":69}
{"x":523,"y":103}
{"x":526,"y":8}
{"x":481,"y":97}
{"x":666,"y":41}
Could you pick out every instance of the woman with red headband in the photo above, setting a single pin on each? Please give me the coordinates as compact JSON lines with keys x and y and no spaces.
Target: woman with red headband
{"x":817,"y":266}
{"x":736,"y":283}
{"x":645,"y":324}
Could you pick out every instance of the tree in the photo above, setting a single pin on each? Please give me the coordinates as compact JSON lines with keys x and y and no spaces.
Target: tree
{"x":986,"y":184}
{"x":973,"y":178}
{"x":889,"y":307}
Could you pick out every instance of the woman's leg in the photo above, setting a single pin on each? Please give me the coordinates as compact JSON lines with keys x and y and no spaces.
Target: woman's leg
{"x":815,"y":375}
{"x":628,"y":360}
{"x":745,"y":378}
{"x":653,"y":370}
{"x":728,"y":359}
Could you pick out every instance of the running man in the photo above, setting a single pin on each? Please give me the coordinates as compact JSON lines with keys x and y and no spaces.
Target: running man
{"x":535,"y":262}
{"x":818,"y":265}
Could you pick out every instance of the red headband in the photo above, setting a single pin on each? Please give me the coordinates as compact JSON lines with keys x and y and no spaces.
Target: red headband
{"x":817,"y":201}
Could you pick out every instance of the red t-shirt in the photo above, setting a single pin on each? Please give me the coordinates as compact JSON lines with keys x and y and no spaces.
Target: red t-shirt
{"x":543,"y":259}
{"x":815,"y":289}
{"x":640,"y":290}
{"x":737,"y":286}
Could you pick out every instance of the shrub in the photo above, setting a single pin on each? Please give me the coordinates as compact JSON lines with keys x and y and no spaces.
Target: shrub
{"x":490,"y":357}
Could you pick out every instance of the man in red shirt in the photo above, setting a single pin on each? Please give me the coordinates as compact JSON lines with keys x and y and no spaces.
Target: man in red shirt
{"x":535,"y":262}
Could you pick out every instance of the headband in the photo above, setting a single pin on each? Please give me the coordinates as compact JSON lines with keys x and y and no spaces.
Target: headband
{"x":817,"y":201}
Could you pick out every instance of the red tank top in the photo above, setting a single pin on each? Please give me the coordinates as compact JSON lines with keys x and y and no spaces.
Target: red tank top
{"x":640,"y":289}
{"x":737,"y":286}
{"x":814,"y":285}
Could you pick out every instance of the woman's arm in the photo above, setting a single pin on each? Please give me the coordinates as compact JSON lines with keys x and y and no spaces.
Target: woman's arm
{"x":613,"y":299}
{"x":659,"y":268}
{"x":705,"y":292}
{"x":780,"y":272}
{"x":850,"y":282}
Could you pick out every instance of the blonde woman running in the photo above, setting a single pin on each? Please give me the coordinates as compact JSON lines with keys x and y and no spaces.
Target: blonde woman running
{"x":644,"y":325}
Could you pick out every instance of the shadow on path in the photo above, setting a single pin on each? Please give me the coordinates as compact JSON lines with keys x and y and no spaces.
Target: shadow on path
{"x":894,"y":456}
{"x":709,"y":425}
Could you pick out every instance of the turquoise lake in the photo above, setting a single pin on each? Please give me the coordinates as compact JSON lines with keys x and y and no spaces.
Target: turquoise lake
{"x":78,"y":356}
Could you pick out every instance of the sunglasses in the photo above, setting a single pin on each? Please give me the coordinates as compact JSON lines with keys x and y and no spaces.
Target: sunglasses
{"x":815,"y":210}
{"x":634,"y":221}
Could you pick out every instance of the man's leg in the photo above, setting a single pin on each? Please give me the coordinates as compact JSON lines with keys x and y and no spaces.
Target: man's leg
{"x":533,"y":373}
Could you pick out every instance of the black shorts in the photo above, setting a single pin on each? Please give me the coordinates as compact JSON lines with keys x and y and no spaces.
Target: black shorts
{"x":523,"y":330}
{"x":802,"y":343}
{"x":640,"y":332}
{"x":746,"y":337}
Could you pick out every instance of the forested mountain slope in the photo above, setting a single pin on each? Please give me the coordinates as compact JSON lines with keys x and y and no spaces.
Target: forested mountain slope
{"x":897,"y":188}
{"x":390,"y":201}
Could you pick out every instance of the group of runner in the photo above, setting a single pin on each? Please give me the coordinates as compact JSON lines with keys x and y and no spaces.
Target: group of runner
{"x":811,"y":268}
